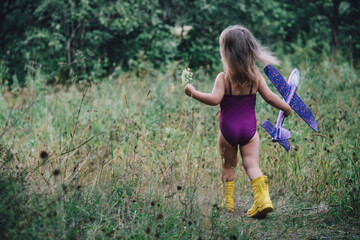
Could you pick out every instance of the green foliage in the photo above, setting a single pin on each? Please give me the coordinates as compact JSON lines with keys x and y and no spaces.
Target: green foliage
{"x":89,"y":39}
{"x":75,"y":38}
{"x":13,"y":204}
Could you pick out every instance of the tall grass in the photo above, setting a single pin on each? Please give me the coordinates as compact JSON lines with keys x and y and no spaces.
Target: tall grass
{"x":133,"y":157}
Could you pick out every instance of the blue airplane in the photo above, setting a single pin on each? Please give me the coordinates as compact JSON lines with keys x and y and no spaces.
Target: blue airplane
{"x":288,"y":92}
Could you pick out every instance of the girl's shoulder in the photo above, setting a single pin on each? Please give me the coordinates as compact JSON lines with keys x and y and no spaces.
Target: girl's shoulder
{"x":220,"y":77}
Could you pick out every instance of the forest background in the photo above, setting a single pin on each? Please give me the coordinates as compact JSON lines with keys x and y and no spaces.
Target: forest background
{"x":91,"y":39}
{"x":98,"y":140}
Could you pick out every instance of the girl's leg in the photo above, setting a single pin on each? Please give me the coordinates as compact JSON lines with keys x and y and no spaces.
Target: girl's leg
{"x":250,"y":157}
{"x":229,"y":159}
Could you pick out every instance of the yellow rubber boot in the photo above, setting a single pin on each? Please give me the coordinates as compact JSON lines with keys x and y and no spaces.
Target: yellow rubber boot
{"x":228,"y":196}
{"x":262,"y":202}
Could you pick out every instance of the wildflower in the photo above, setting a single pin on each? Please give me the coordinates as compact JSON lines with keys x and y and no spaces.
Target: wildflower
{"x":44,"y":156}
{"x":56,"y":172}
{"x":187,"y":76}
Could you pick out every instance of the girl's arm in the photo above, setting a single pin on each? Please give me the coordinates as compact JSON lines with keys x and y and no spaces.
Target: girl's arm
{"x":213,"y":98}
{"x":271,"y":98}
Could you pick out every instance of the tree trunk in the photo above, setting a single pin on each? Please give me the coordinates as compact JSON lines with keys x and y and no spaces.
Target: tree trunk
{"x":334,"y":20}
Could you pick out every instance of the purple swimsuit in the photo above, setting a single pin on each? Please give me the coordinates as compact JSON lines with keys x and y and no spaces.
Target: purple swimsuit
{"x":237,"y":118}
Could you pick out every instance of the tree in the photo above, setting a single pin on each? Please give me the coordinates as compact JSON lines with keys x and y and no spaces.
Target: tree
{"x":331,"y":10}
{"x":15,"y":17}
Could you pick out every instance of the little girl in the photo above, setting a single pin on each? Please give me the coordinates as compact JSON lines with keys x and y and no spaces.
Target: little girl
{"x":235,"y":90}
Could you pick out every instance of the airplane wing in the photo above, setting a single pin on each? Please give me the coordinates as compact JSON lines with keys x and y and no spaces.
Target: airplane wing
{"x":277,"y":79}
{"x":296,"y":103}
{"x":304,"y":112}
{"x":271,"y":129}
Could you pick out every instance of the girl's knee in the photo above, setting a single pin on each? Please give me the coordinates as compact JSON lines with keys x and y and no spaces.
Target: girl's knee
{"x":250,"y":165}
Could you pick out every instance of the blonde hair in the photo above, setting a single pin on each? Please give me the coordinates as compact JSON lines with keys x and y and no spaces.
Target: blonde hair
{"x":239,"y":51}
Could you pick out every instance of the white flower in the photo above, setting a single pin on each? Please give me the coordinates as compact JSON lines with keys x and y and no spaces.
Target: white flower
{"x":187,"y":76}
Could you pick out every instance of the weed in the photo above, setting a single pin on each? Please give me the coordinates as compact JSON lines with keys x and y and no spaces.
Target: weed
{"x":126,"y":158}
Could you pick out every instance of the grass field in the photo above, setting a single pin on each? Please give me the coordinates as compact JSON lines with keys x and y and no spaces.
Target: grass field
{"x":131,"y":157}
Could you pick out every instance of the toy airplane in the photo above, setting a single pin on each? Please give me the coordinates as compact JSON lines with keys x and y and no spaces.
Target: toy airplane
{"x":288,"y":91}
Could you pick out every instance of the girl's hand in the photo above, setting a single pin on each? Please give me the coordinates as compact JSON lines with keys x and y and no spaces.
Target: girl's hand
{"x":287,"y":112}
{"x":189,"y":89}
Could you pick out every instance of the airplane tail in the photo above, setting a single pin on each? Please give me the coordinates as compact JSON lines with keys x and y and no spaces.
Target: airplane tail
{"x":285,"y":144}
{"x":281,"y":134}
{"x":273,"y":131}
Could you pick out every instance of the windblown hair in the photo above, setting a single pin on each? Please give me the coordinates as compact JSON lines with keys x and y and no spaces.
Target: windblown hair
{"x":239,"y":51}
